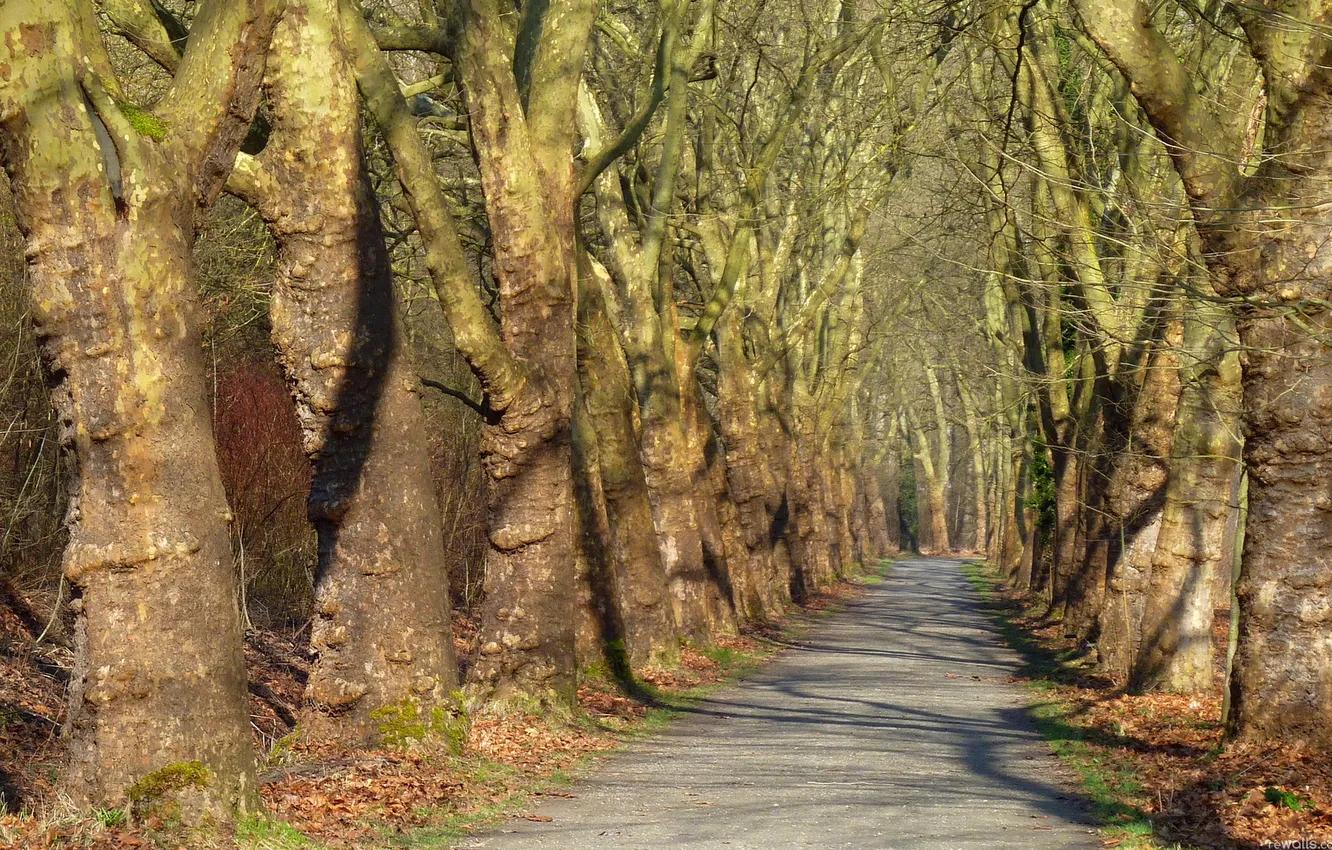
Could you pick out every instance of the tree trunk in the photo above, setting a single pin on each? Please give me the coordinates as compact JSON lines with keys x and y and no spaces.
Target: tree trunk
{"x":600,"y":627}
{"x":1175,"y":653}
{"x":382,"y":621}
{"x":650,"y":630}
{"x":1135,"y":496}
{"x":1282,"y":682}
{"x":890,"y":486}
{"x":932,"y":484}
{"x":880,"y":542}
{"x":722,"y":539}
{"x":1068,"y":492}
{"x":811,"y":560}
{"x":527,"y":369}
{"x":748,"y":466}
{"x":158,"y":684}
{"x":669,"y":470}
{"x":524,"y":155}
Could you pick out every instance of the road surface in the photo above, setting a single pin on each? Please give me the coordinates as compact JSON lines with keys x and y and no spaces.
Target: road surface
{"x":893,"y":726}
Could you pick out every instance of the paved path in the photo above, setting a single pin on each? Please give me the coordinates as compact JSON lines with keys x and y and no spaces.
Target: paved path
{"x":892,"y":727}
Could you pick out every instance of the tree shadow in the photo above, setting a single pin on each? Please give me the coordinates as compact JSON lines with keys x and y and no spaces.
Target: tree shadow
{"x":348,"y":436}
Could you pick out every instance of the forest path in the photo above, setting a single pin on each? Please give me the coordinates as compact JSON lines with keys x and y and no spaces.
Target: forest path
{"x":893,"y":725}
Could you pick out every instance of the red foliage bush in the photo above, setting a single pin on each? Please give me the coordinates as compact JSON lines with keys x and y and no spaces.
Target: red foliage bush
{"x":267,"y":479}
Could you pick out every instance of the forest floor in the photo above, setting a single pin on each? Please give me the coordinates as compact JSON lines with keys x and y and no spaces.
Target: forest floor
{"x":1154,"y":765}
{"x":423,"y":795}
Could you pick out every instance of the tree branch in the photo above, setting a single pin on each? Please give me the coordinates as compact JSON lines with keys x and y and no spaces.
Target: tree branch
{"x":484,"y":412}
{"x":211,"y":102}
{"x":475,"y":334}
{"x":1203,"y":152}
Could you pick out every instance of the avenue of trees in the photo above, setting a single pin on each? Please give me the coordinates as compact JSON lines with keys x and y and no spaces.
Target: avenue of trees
{"x":622,"y":326}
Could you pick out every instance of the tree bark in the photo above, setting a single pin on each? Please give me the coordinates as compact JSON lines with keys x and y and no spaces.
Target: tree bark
{"x":526,"y":634}
{"x":528,"y":368}
{"x":650,"y":629}
{"x":1136,"y":496}
{"x":1175,"y":653}
{"x":930,"y":483}
{"x":757,"y":494}
{"x":381,"y":628}
{"x":600,"y":627}
{"x":159,"y":677}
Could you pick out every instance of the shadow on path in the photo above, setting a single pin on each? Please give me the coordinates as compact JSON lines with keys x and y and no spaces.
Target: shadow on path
{"x":894,"y":725}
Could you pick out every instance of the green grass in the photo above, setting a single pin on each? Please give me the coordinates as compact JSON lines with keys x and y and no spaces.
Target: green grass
{"x":260,"y":833}
{"x":1113,"y":790}
{"x":109,"y":817}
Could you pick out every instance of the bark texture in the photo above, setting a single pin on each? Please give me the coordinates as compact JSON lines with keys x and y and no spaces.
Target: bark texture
{"x":650,"y":631}
{"x":526,"y":163}
{"x":159,"y":677}
{"x":382,"y":621}
{"x":1195,"y":548}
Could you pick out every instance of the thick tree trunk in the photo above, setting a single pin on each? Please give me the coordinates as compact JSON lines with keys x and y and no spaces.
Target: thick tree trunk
{"x":846,"y":501}
{"x":158,"y":685}
{"x":669,"y":468}
{"x":1281,"y":687}
{"x":1281,"y":683}
{"x":810,"y":554}
{"x":890,"y":486}
{"x":382,"y":621}
{"x":1030,"y":568}
{"x":1098,"y":539}
{"x":526,"y":634}
{"x":933,"y":485}
{"x":1175,"y":653}
{"x":650,"y":630}
{"x":737,"y":582}
{"x":830,"y":491}
{"x":528,"y":368}
{"x":1068,"y":514}
{"x":1136,"y":493}
{"x":748,"y":466}
{"x":879,"y":540}
{"x":980,"y":478}
{"x":1016,"y":488}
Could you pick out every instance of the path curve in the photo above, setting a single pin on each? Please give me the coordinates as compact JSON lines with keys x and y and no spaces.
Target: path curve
{"x":893,"y":726}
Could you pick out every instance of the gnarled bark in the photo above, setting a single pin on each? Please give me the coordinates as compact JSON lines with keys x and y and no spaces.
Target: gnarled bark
{"x":381,"y":628}
{"x":109,"y":214}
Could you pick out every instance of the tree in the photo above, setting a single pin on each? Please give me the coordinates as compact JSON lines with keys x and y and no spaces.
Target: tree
{"x":107,"y":196}
{"x":521,"y":98}
{"x":381,"y":595}
{"x":1274,"y":271}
